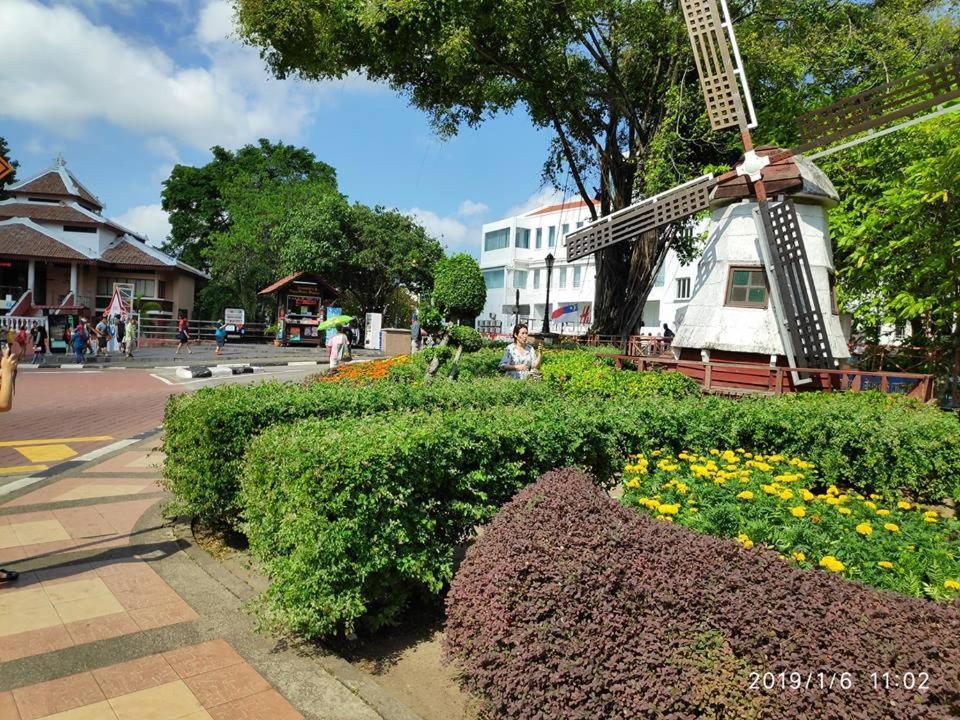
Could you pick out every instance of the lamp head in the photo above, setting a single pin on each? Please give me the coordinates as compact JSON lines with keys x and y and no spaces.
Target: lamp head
{"x":549,"y":260}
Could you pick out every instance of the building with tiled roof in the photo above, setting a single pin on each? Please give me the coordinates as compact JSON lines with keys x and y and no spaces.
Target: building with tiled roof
{"x":57,"y":248}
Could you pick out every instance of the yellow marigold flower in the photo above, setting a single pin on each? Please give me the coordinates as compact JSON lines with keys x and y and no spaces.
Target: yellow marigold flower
{"x":931,"y":513}
{"x":670,"y":509}
{"x":843,"y":498}
{"x":892,"y":527}
{"x":930,"y":519}
{"x":633,"y":483}
{"x":747,"y":455}
{"x":714,"y":451}
{"x":740,"y":450}
{"x":843,"y":510}
{"x":665,"y":517}
{"x":786,"y":494}
{"x":904,"y":505}
{"x":769,"y":489}
{"x":885,"y":564}
{"x":745,"y":495}
{"x":831,"y":500}
{"x":871,"y":505}
{"x":798,"y":511}
{"x":831,"y":563}
{"x":951,"y":584}
{"x":864,"y":528}
{"x":806,"y":494}
{"x":656,"y":453}
{"x":874,"y":496}
{"x":682,"y":488}
{"x":799,"y":556}
{"x":883,"y":512}
{"x":832,"y":490}
{"x":745,"y":541}
{"x":693,"y":510}
{"x":776,"y":458}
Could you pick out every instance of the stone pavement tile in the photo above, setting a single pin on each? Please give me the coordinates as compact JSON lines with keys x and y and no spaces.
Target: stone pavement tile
{"x":87,"y":608}
{"x":11,"y":555}
{"x":97,"y":711}
{"x":101,"y":628}
{"x":170,"y":700}
{"x":78,"y":588}
{"x":73,"y":691}
{"x":25,"y":580}
{"x":134,"y":676}
{"x":268,"y":704}
{"x":8,"y":707}
{"x":38,"y":532}
{"x":166,"y":614}
{"x":137,"y":600}
{"x":58,"y":574}
{"x":226,"y":685}
{"x":131,"y":461}
{"x":124,"y":515}
{"x":197,"y":659}
{"x":34,"y":642}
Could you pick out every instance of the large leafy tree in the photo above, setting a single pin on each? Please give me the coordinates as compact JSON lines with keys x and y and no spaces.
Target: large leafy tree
{"x":896,"y":232}
{"x":5,"y":154}
{"x":613,"y":79}
{"x":196,"y":198}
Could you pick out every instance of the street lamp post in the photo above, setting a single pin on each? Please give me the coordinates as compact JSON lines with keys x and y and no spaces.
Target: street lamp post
{"x":546,"y":305}
{"x":516,"y":308}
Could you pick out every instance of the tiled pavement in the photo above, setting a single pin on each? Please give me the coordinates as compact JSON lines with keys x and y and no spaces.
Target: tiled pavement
{"x":110,"y":619}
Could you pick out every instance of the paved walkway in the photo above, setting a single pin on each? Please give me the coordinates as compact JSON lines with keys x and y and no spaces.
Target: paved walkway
{"x":118,"y":616}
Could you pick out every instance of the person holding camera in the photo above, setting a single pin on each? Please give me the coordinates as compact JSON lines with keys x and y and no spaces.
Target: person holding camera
{"x":8,"y":371}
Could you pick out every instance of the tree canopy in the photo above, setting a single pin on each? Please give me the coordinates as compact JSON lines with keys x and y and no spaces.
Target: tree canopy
{"x":613,"y":79}
{"x":459,"y":291}
{"x":5,"y":154}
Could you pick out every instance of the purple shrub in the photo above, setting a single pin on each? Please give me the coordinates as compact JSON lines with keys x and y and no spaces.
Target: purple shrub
{"x":572,"y":606}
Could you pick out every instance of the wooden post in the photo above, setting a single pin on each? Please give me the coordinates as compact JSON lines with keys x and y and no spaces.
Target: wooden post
{"x":779,"y":382}
{"x":707,"y":375}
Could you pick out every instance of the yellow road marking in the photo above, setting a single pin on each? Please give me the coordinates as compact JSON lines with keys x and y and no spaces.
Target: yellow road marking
{"x":47,"y":453}
{"x":21,"y":469}
{"x":54,"y":441}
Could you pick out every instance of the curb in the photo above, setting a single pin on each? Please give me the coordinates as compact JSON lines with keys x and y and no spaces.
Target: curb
{"x":164,"y":365}
{"x":205,"y":371}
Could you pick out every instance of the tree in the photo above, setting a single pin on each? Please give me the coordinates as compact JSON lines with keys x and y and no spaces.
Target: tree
{"x":459,"y":291}
{"x":896,"y":231}
{"x":5,"y":154}
{"x":612,"y":79}
{"x":195,"y":198}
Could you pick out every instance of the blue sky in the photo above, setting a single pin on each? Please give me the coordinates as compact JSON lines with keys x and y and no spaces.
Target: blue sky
{"x":127,"y":88}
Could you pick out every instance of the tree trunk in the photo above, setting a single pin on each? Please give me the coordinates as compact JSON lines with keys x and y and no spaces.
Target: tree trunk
{"x":435,"y":363}
{"x":625,"y":275}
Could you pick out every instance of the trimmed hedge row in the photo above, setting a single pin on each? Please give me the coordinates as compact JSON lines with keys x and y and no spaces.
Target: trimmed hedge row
{"x":572,"y":606}
{"x":354,"y":517}
{"x":207,"y":432}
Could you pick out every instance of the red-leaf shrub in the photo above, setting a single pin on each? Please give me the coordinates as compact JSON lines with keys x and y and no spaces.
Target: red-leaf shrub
{"x":572,"y":606}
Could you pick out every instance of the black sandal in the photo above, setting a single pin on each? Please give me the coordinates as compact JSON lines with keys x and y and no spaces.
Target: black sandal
{"x":8,"y":575}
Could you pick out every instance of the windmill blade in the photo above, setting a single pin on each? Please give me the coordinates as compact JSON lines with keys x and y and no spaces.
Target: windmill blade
{"x":5,"y":168}
{"x":649,"y":214}
{"x":793,"y":291}
{"x":876,"y":107}
{"x":716,"y":70}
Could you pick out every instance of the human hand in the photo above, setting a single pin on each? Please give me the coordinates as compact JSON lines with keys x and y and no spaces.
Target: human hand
{"x":8,"y":363}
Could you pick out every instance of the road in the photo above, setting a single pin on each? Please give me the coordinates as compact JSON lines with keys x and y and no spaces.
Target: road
{"x":61,"y":415}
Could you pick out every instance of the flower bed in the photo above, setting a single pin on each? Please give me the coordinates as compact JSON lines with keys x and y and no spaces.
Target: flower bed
{"x":781,"y":503}
{"x":360,"y":373}
{"x":572,"y":606}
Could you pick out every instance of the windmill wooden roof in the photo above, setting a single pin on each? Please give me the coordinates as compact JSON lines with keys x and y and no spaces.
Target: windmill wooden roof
{"x":792,"y":175}
{"x":18,"y":239}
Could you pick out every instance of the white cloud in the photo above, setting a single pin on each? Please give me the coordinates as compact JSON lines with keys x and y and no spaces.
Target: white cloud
{"x":454,"y":235}
{"x":469,"y":207}
{"x":148,"y":220}
{"x":544,"y":196}
{"x":70,"y":71}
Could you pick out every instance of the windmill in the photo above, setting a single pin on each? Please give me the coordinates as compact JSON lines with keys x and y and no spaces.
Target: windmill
{"x":770,"y":176}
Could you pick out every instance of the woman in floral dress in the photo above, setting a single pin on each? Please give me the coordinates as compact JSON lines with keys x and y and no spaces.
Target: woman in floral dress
{"x":520,"y":357}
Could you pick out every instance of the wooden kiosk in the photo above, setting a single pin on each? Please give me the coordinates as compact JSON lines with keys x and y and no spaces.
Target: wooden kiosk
{"x":302,"y":302}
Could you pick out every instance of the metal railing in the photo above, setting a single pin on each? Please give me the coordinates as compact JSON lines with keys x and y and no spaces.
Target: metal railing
{"x":162,"y":328}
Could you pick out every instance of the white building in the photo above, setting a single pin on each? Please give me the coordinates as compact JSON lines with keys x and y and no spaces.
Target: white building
{"x":513,"y":255}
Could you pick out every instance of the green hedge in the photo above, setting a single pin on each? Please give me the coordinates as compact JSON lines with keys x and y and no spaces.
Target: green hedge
{"x":354,"y":517}
{"x":206,"y":433}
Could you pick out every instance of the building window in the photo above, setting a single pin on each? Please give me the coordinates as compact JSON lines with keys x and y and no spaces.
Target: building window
{"x":900,"y":329}
{"x":563,"y":277}
{"x":747,"y":287}
{"x":79,"y":229}
{"x":577,"y":270}
{"x":141,"y":286}
{"x":496,"y":240}
{"x":579,"y":224}
{"x":161,"y":288}
{"x":539,"y":238}
{"x":661,"y":275}
{"x":536,"y":279}
{"x":566,"y":228}
{"x":493,"y":278}
{"x":523,"y":238}
{"x":552,"y":236}
{"x":683,"y":288}
{"x":520,"y":279}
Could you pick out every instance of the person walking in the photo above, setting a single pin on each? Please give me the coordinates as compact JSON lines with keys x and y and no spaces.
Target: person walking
{"x":130,"y":336}
{"x":21,"y":340}
{"x":337,"y":348}
{"x":220,"y":335}
{"x":121,"y":335}
{"x":103,"y":337}
{"x":79,"y":340}
{"x":183,"y":335}
{"x":38,"y":336}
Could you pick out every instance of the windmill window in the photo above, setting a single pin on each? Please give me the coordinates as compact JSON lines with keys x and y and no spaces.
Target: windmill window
{"x":747,"y":287}
{"x":834,"y":307}
{"x":683,"y":288}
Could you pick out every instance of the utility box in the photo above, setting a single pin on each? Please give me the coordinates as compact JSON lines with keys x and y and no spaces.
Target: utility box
{"x":396,"y":341}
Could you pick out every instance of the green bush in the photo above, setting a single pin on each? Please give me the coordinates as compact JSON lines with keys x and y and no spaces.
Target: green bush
{"x":583,"y":373}
{"x":480,"y":364}
{"x":466,"y":337}
{"x":206,"y":433}
{"x":380,"y":502}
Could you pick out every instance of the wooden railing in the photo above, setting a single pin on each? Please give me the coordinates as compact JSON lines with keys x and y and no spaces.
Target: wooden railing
{"x":746,"y":377}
